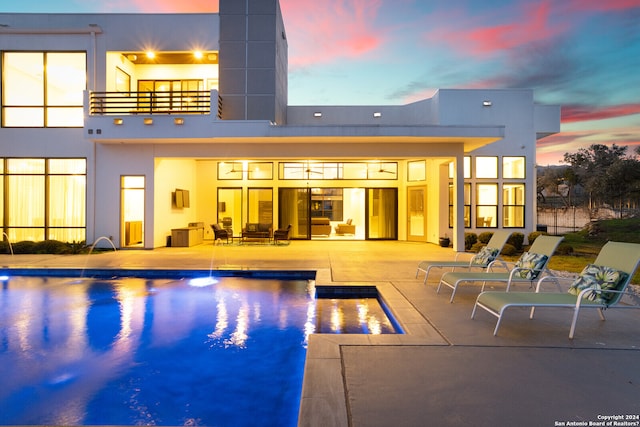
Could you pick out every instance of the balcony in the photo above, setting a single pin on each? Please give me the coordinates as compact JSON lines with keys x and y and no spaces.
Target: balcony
{"x":151,"y":103}
{"x":133,"y":117}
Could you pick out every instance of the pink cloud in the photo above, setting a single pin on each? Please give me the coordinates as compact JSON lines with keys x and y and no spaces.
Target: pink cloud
{"x":551,"y":149}
{"x":529,"y":24}
{"x":330,"y":30}
{"x":580,"y":113}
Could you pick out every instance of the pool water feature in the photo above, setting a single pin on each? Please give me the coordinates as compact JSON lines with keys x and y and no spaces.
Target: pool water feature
{"x":128,"y":351}
{"x":353,"y":310}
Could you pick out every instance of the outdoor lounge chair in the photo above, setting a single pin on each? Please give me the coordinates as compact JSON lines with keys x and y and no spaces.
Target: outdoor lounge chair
{"x":527,"y":269}
{"x":601,"y":285}
{"x":480,"y":260}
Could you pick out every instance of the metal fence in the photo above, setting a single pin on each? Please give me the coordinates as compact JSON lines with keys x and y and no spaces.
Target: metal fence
{"x":566,"y":220}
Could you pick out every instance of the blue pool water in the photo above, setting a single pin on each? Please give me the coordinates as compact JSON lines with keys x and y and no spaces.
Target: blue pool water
{"x":135,"y":351}
{"x":155,"y":352}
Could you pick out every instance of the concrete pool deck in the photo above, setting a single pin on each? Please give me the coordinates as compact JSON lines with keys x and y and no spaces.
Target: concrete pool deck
{"x":447,"y":369}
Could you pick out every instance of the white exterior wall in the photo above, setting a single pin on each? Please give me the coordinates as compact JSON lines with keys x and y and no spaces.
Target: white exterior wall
{"x":185,"y":156}
{"x":516,"y":111}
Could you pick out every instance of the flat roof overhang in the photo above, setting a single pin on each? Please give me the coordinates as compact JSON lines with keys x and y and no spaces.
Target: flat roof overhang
{"x":260,"y":133}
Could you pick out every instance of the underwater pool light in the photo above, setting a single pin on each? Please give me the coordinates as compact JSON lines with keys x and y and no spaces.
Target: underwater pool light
{"x":201,"y":282}
{"x":4,"y":277}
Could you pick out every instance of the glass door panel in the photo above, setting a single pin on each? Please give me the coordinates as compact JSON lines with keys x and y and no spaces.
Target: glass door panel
{"x":382,"y":213}
{"x":230,"y":209}
{"x":293,"y":208}
{"x":417,"y":214}
{"x":260,"y":205}
{"x":132,"y":190}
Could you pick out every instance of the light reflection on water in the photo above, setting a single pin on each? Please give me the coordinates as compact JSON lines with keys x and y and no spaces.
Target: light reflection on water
{"x":136,"y":351}
{"x":163,"y":352}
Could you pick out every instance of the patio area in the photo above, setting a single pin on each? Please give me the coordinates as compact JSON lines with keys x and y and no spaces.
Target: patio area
{"x":447,"y":369}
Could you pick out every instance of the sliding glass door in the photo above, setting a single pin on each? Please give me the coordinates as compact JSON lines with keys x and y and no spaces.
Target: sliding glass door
{"x":382,"y":213}
{"x":293,"y":208}
{"x":230,"y":209}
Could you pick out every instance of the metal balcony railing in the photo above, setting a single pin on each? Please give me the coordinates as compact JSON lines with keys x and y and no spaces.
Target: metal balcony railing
{"x":126,"y":103}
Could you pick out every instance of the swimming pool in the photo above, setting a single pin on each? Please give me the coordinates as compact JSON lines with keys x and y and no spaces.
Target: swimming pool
{"x":137,"y":351}
{"x":131,"y":351}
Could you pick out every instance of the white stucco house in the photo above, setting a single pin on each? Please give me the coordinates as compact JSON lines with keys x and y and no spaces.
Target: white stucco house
{"x":134,"y":125}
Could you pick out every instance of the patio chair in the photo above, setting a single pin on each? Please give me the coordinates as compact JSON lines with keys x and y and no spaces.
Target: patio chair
{"x":221,"y":233}
{"x":527,"y":269}
{"x":601,"y":285}
{"x":281,"y":234}
{"x":480,"y":260}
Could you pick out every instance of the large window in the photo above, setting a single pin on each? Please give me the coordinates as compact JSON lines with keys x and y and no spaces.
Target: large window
{"x":513,"y":167}
{"x":467,"y":205}
{"x":43,"y":89}
{"x":486,"y":167}
{"x":342,"y":170}
{"x":486,"y":205}
{"x":44,"y":199}
{"x":513,"y":205}
{"x":466,"y":168}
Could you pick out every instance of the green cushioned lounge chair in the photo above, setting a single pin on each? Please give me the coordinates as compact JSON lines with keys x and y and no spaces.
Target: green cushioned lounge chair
{"x":531,"y":265}
{"x":601,"y":285}
{"x":481,"y":260}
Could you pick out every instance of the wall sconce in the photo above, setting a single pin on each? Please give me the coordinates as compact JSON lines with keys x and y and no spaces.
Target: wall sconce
{"x":317,"y":114}
{"x":118,"y":121}
{"x":487,"y":103}
{"x":148,"y":121}
{"x":178,"y":121}
{"x":132,"y":57}
{"x":377,"y":115}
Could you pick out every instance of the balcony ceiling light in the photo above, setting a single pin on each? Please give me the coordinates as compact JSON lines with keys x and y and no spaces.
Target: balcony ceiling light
{"x":155,"y":58}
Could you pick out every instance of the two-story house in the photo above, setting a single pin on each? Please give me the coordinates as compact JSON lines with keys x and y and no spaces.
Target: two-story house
{"x":132,"y":125}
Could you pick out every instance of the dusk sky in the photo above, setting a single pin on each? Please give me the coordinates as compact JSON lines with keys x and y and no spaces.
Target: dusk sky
{"x":581,"y":54}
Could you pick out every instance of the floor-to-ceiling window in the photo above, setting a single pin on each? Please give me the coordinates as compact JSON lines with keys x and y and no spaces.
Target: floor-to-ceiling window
{"x":382,"y":213}
{"x":230,"y":209}
{"x":44,"y":199}
{"x":260,"y":205}
{"x":293,"y":208}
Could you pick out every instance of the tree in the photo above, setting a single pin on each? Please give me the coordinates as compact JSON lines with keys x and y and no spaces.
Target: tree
{"x":607,"y":174}
{"x":553,"y":181}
